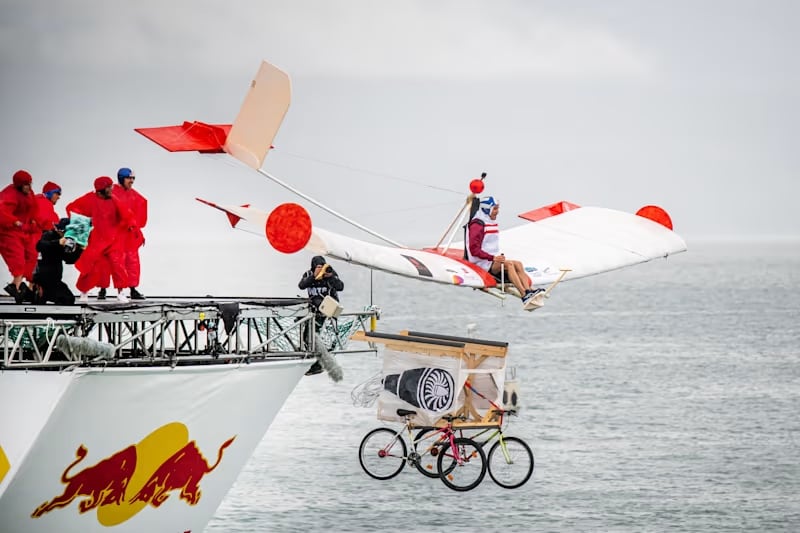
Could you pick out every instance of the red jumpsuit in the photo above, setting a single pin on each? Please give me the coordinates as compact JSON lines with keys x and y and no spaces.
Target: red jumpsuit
{"x":109,"y":218}
{"x":133,"y":239}
{"x":15,"y":240}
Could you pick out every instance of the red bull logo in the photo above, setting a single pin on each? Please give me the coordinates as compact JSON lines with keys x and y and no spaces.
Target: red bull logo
{"x":123,"y":484}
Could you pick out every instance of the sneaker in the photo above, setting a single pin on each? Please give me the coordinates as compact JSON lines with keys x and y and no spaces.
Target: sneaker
{"x":102,"y":294}
{"x":122,"y":298}
{"x":83,"y":298}
{"x":136,"y":295}
{"x":530,"y":294}
{"x":316,"y":368}
{"x":527,"y":298}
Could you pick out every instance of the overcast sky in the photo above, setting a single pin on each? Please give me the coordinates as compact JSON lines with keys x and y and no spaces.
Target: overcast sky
{"x":691,"y":105}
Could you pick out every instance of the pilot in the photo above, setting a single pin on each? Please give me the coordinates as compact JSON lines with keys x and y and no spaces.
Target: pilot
{"x":484,"y":249}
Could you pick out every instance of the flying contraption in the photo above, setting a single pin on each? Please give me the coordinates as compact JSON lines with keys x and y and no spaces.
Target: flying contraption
{"x":557,"y":242}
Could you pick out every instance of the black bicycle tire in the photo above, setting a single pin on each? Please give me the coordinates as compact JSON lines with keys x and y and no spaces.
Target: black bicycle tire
{"x":496,"y":448}
{"x":443,"y":454}
{"x":390,"y":435}
{"x":434,"y":472}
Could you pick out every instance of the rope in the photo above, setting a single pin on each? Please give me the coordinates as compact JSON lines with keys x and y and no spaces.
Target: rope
{"x":372,"y":172}
{"x":50,"y":324}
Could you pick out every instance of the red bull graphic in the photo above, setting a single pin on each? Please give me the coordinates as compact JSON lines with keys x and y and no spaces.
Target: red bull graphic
{"x":123,"y":484}
{"x":101,"y":484}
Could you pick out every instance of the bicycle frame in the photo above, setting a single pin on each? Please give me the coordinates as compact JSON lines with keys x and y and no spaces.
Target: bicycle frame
{"x":497,"y":434}
{"x":441,"y":434}
{"x":453,"y":451}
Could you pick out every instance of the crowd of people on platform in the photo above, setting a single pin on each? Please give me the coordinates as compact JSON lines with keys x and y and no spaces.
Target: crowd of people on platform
{"x":35,"y":241}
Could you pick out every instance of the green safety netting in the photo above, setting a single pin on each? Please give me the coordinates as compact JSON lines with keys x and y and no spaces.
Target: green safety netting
{"x":30,"y":336}
{"x":335,"y":334}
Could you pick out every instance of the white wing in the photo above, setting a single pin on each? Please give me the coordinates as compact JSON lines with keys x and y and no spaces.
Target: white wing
{"x":587,"y":240}
{"x":408,"y":262}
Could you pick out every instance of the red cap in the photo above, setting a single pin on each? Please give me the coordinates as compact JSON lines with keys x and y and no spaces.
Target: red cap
{"x":50,"y":186}
{"x":22,"y":177}
{"x":102,"y":182}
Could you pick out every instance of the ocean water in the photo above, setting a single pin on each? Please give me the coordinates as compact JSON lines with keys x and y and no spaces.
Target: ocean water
{"x":664,"y":397}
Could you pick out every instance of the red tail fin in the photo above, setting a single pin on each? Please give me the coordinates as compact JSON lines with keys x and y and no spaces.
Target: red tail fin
{"x":189,"y":137}
{"x":232,"y":218}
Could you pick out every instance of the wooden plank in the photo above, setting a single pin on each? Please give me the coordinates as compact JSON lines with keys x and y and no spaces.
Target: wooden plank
{"x":441,"y":349}
{"x":491,"y":350}
{"x":482,"y":342}
{"x":412,"y":346}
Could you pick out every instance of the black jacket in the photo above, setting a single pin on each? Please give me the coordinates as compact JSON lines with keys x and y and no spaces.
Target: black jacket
{"x":52,"y":257}
{"x":318,"y":289}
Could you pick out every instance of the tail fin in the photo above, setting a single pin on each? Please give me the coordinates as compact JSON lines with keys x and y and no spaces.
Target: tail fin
{"x":250,"y":137}
{"x":260,"y":116}
{"x":232,"y":217}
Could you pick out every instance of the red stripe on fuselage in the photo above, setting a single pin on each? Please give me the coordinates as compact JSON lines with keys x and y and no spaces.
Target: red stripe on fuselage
{"x":458,"y":255}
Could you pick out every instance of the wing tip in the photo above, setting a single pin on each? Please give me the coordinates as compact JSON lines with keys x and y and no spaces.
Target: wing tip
{"x":656,"y":214}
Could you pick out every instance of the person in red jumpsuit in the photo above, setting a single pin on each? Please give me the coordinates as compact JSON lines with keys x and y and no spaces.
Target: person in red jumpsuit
{"x":133,"y":239}
{"x":17,"y":223}
{"x":46,"y":219}
{"x":109,"y":220}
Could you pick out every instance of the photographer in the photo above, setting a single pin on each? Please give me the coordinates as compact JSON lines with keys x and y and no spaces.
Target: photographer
{"x":54,"y":250}
{"x":320,"y":281}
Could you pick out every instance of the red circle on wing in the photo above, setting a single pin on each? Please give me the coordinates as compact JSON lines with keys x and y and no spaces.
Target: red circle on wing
{"x":288,"y":228}
{"x":656,"y":214}
{"x":476,"y":186}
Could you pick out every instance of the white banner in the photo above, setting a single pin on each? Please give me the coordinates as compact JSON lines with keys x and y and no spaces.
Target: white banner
{"x":433,"y":386}
{"x":141,"y":449}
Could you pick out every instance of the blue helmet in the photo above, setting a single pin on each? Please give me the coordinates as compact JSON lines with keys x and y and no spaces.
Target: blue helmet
{"x":123,"y":173}
{"x":487,"y":204}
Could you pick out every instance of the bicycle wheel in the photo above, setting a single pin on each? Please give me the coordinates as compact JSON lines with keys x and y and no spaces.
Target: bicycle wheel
{"x":470,"y":472}
{"x":382,"y":453}
{"x":428,"y":447}
{"x":512,"y":467}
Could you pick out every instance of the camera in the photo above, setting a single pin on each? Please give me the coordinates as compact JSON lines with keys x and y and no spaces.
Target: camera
{"x":69,"y":245}
{"x":322,"y":271}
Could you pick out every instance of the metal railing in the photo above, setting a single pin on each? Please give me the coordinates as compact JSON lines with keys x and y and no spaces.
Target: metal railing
{"x":193,"y":331}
